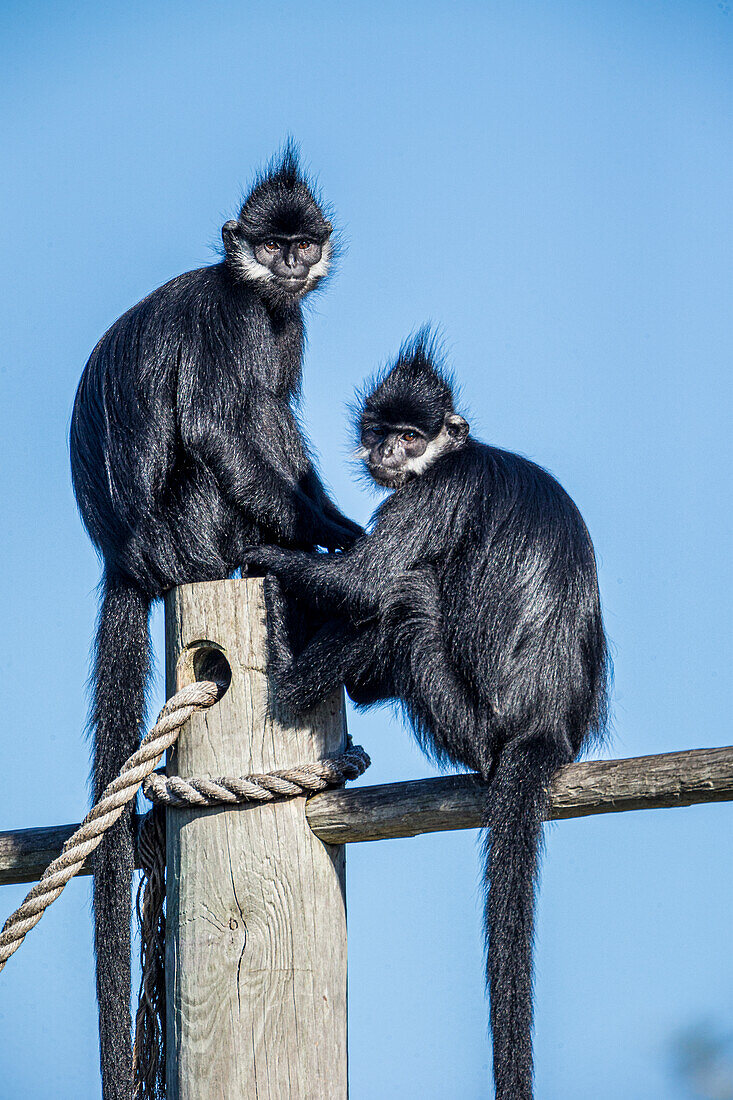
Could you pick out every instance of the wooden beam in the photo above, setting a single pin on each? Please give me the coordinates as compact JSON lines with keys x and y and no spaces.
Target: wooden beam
{"x":430,"y":805}
{"x":455,"y":802}
{"x":26,"y":853}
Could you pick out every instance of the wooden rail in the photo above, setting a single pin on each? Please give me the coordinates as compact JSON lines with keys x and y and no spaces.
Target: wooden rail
{"x":456,"y":802}
{"x":430,"y":805}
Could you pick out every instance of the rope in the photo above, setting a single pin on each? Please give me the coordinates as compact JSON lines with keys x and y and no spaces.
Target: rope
{"x":149,"y":1048}
{"x":103,"y":815}
{"x":175,"y":791}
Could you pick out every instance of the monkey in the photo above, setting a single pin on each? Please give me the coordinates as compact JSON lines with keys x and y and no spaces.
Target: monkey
{"x":185,"y":448}
{"x":473,"y":601}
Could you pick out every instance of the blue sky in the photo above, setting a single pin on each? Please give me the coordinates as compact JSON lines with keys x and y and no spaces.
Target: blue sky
{"x":549,"y":182}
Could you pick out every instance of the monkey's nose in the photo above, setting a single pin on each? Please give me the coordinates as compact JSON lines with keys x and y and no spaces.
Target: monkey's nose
{"x":389,"y":459}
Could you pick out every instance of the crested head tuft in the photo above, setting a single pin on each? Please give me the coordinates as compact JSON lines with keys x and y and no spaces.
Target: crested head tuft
{"x":415,"y":389}
{"x":286,"y":167}
{"x":283,"y":202}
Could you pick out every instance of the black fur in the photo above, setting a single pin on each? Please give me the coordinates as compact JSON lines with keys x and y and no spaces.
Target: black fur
{"x":473,"y":601}
{"x":184,"y":450}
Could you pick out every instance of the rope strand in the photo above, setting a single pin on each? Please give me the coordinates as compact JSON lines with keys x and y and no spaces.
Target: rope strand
{"x":116,"y":795}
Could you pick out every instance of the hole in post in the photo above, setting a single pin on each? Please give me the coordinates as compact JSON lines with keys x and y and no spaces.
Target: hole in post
{"x":211,"y":664}
{"x":204,"y":661}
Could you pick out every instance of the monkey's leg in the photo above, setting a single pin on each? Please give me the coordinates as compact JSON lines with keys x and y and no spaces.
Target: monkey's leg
{"x":446,"y":712}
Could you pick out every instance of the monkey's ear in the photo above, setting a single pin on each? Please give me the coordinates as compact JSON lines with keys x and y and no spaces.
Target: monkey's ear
{"x":457,"y":427}
{"x":231,"y":234}
{"x":329,"y":229}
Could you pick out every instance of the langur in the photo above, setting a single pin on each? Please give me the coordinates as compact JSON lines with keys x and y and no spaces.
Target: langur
{"x":474,"y":602}
{"x":184,"y":450}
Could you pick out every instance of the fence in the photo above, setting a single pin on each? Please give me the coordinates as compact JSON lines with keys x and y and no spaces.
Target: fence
{"x":256,"y":914}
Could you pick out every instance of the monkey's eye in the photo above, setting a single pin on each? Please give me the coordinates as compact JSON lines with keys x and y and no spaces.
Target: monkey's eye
{"x":409,"y":437}
{"x":271,"y":246}
{"x":304,"y":245}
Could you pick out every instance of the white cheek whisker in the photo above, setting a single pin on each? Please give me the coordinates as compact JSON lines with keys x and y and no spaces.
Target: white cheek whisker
{"x":435,"y":448}
{"x":250,"y":267}
{"x":321,"y":269}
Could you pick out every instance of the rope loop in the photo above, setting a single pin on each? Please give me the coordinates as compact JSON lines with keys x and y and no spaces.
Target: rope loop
{"x":176,"y":792}
{"x":171,"y":791}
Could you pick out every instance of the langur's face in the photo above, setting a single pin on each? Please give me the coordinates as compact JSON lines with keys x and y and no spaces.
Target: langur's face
{"x":396,"y":454}
{"x":284,"y":268}
{"x":294,"y":264}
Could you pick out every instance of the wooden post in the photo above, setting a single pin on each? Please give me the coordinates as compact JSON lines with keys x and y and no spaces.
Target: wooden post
{"x":256,"y":918}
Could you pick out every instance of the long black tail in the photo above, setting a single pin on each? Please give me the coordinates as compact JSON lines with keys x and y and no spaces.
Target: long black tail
{"x":122,"y":659}
{"x":514,"y":814}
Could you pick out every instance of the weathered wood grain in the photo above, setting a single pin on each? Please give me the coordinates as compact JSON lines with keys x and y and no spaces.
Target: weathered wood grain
{"x":256,"y":920}
{"x":431,"y":805}
{"x":455,"y":802}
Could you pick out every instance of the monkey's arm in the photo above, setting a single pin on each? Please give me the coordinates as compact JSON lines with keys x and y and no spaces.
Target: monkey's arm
{"x":243,"y":446}
{"x":409,"y":531}
{"x":350,"y":583}
{"x":332,"y":528}
{"x":278,"y":438}
{"x":327,"y":582}
{"x":235,"y":422}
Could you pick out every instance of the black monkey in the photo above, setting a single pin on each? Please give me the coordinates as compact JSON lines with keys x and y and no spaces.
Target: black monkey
{"x":184,"y":450}
{"x":474,"y":601}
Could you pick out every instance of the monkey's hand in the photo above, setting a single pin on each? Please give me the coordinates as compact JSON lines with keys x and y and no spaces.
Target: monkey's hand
{"x":266,"y":559}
